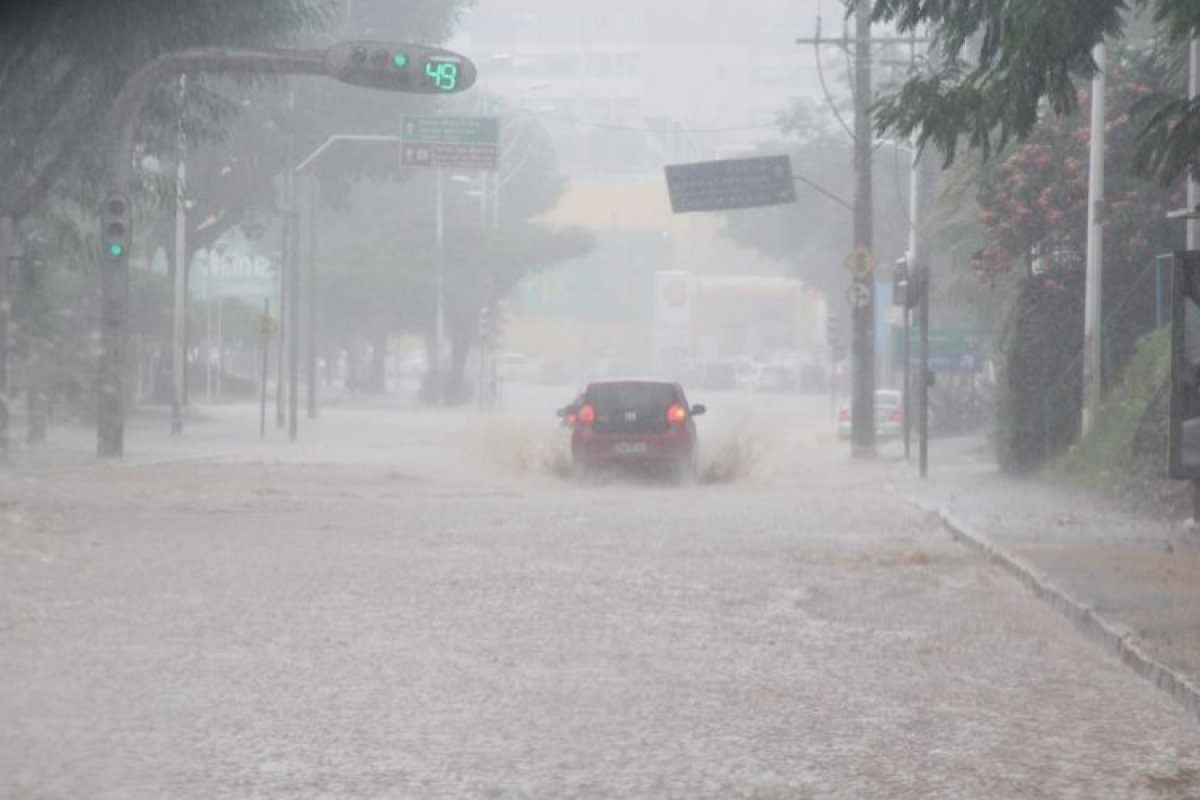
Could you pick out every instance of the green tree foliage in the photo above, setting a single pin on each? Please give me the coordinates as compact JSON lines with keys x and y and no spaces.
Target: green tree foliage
{"x":232,"y":177}
{"x":62,"y":63}
{"x":379,"y":255}
{"x":1033,"y":215}
{"x":999,"y":64}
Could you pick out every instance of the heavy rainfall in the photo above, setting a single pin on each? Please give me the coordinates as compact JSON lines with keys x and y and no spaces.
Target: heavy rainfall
{"x":599,"y":399}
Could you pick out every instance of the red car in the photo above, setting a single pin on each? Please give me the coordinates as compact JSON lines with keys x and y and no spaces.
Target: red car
{"x":623,"y":424}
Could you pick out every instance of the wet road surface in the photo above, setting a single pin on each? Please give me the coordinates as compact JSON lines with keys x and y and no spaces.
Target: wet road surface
{"x":418,"y":605}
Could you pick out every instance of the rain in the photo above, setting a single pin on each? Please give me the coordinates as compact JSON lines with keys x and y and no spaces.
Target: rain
{"x":578,"y":399}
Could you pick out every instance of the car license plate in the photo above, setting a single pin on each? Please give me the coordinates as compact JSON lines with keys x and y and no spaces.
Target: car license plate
{"x":629,"y":448}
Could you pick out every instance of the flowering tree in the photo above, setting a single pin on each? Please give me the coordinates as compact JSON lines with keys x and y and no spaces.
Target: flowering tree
{"x":1033,"y":202}
{"x":1033,"y":212}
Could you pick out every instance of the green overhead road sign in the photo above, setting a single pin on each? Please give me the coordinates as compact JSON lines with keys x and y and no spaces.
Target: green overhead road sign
{"x":463,"y":142}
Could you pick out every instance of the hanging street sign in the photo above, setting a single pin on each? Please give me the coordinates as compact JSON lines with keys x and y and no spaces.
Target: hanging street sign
{"x":461,"y":142}
{"x":731,"y":184}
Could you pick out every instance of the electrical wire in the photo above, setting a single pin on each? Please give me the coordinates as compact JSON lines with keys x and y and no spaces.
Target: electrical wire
{"x":824,"y":85}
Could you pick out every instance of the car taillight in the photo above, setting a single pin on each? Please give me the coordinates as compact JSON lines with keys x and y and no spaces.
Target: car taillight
{"x":570,"y":419}
{"x":587,"y":414}
{"x":897,"y":415}
{"x":676,"y":413}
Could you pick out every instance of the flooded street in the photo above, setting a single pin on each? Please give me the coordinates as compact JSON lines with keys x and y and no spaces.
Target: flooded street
{"x":419,"y":604}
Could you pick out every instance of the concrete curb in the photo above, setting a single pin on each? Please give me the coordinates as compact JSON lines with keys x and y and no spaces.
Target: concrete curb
{"x":1115,"y":638}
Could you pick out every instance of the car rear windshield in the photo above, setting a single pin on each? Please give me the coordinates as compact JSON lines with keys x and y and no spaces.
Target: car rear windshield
{"x":645,"y":397}
{"x":887,"y":400}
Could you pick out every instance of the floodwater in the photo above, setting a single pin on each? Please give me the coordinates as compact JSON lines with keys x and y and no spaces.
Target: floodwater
{"x":414,"y":603}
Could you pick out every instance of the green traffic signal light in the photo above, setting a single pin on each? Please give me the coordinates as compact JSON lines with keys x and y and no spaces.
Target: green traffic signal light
{"x":399,"y":67}
{"x":116,"y":226}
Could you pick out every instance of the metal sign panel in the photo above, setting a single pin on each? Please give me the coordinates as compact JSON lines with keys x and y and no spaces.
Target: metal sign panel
{"x":859,"y":295}
{"x":860,"y":261}
{"x":731,"y":184}
{"x":463,"y":156}
{"x":951,"y":350}
{"x":462,"y":142}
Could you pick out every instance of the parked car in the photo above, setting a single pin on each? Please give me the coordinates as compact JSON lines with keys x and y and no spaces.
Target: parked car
{"x":889,"y":415}
{"x":625,"y":424}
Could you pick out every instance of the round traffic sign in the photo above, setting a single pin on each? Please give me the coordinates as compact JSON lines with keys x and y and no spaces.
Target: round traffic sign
{"x":858,"y":295}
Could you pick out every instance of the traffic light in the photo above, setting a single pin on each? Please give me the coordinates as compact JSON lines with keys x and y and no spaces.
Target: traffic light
{"x":116,"y":228}
{"x":485,"y":324}
{"x":397,"y":67}
{"x":907,"y":284}
{"x":900,"y":284}
{"x":834,"y":334}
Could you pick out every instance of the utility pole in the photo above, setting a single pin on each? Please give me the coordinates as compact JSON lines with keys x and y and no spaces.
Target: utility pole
{"x":293,"y":307}
{"x":314,"y":199}
{"x":917,"y":280}
{"x":286,"y":272}
{"x":862,"y":408}
{"x":1193,"y":204}
{"x":179,"y":321}
{"x":1093,"y":331}
{"x":862,"y":405}
{"x":1193,"y":184}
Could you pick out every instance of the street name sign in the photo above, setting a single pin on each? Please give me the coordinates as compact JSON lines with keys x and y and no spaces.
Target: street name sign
{"x":461,"y":142}
{"x":731,"y":184}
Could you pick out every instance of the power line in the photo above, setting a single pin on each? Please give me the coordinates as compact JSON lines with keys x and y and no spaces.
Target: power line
{"x":633,"y":128}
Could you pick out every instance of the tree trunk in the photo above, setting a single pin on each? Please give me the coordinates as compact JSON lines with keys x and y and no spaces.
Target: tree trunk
{"x":354,"y":378}
{"x":378,"y":376}
{"x":33,"y":330}
{"x":457,"y":390}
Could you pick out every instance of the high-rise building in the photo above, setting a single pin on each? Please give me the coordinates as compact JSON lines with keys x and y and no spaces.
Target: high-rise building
{"x":625,"y":86}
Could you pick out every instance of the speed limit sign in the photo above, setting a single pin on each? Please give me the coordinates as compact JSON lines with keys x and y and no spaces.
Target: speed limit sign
{"x":858,"y":295}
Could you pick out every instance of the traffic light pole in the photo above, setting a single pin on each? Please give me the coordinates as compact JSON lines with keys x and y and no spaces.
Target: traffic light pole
{"x":114,"y":270}
{"x":923,"y":379}
{"x":386,"y":66}
{"x":310,"y":288}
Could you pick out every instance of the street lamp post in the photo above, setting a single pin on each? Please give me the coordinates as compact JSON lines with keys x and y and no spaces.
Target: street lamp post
{"x":439,"y":289}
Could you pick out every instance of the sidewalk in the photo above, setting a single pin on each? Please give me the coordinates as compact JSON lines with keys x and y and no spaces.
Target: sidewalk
{"x":1129,"y":581}
{"x":217,"y":431}
{"x":210,"y":433}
